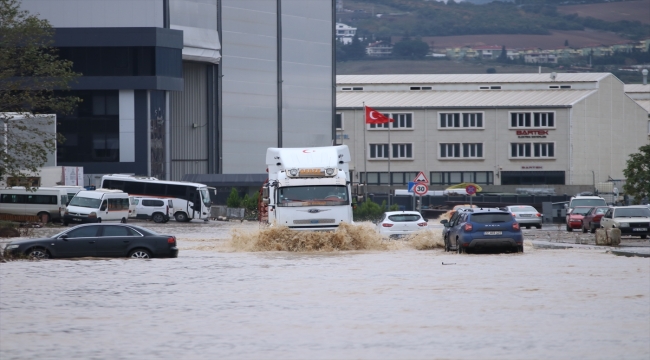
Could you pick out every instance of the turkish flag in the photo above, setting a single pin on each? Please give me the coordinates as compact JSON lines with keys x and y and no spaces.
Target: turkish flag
{"x":375,"y":117}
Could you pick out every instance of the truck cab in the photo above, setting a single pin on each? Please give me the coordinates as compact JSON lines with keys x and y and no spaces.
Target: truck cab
{"x":308,"y":188}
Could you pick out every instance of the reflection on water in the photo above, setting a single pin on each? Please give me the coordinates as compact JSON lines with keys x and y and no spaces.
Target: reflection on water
{"x":395,"y":303}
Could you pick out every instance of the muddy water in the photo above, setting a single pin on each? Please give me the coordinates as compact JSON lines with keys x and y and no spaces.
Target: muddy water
{"x":214,"y":302}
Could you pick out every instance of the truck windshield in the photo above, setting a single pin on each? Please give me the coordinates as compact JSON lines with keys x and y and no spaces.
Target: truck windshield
{"x":85,"y":202}
{"x":327,"y":195}
{"x":587,"y":202}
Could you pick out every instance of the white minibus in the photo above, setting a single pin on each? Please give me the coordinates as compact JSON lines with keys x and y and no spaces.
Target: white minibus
{"x":45,"y":202}
{"x":70,"y":189}
{"x":97,"y":206}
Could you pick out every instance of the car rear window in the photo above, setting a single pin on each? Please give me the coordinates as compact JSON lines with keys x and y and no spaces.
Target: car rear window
{"x":404,"y":217}
{"x":632,"y":212}
{"x":488,"y":218}
{"x":523,"y":209}
{"x":581,"y":211}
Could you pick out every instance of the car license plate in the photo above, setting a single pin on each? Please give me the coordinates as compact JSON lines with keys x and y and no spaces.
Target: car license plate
{"x":76,"y":219}
{"x":525,"y":215}
{"x":640,"y":229}
{"x":492,"y":233}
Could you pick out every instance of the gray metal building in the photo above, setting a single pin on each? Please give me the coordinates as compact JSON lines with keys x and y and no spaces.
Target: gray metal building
{"x":175,"y":87}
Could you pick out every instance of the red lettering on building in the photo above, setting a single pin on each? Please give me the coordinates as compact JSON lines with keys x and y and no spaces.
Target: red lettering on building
{"x":532,"y":132}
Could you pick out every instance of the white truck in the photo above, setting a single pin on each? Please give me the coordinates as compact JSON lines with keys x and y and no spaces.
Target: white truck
{"x":308,"y":188}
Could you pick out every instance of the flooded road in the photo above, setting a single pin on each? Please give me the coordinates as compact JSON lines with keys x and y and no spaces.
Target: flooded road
{"x":397,"y":303}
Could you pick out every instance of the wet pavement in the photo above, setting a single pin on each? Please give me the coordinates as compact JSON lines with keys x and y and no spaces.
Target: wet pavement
{"x":214,"y":302}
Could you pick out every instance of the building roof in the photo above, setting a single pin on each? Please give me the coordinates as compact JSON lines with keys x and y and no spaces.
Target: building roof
{"x":644,"y":104}
{"x":468,"y":78}
{"x":637,"y":88}
{"x":460,"y":99}
{"x":216,"y":180}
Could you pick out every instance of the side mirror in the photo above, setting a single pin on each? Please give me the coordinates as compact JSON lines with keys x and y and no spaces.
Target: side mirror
{"x":445,"y":221}
{"x":566,"y":206}
{"x":265,"y":193}
{"x":64,"y":237}
{"x":265,"y":201}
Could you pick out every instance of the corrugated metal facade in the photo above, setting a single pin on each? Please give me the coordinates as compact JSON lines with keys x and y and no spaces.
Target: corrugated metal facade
{"x":189,"y":123}
{"x":307,"y":73}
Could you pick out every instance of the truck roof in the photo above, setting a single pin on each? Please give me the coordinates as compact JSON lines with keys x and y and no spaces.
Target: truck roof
{"x":279,"y":159}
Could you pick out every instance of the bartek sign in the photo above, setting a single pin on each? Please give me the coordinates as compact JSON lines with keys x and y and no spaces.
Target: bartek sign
{"x":532,"y":133}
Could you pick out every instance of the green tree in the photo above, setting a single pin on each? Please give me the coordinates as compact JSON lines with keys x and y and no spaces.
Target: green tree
{"x":503,"y":57}
{"x":234,"y":201}
{"x":413,"y":48}
{"x":637,"y":174}
{"x":30,"y":72}
{"x":356,"y":50}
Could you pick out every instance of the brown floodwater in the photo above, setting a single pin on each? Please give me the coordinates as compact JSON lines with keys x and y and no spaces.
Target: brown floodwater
{"x":231,"y":294}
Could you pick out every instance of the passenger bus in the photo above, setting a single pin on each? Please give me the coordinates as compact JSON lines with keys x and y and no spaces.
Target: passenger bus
{"x":191,"y":200}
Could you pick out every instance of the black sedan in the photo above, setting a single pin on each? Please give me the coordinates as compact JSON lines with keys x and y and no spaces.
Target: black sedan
{"x":102,"y":240}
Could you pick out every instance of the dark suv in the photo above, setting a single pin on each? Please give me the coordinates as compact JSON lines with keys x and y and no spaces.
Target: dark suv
{"x":477,"y":229}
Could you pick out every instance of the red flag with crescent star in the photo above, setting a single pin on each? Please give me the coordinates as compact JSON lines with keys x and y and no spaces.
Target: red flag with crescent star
{"x":375,"y":117}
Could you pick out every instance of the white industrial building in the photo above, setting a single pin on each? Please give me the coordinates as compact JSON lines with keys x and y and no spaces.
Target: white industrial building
{"x":568,"y":131}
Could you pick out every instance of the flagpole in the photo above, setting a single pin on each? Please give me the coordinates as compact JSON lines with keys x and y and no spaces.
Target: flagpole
{"x":390,"y":148}
{"x":365,"y":155}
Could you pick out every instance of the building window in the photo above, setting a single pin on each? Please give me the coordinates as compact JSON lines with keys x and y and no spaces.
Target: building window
{"x":532,"y":178}
{"x":453,"y":120}
{"x":338,"y":121}
{"x":461,"y":150}
{"x":378,"y":151}
{"x":402,"y":151}
{"x":457,"y":177}
{"x":532,"y":150}
{"x":92,"y":132}
{"x":449,"y":150}
{"x":381,"y":178}
{"x":473,"y":150}
{"x":403,"y":121}
{"x":534,"y":119}
{"x":448,"y":120}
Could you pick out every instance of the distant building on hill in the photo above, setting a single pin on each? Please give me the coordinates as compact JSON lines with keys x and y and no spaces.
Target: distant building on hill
{"x":379,"y":49}
{"x":345,"y":33}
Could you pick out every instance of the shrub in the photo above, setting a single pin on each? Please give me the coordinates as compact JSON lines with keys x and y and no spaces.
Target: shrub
{"x":233,"y":199}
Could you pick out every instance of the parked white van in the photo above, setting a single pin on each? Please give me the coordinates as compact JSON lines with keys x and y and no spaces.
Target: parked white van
{"x":45,"y":202}
{"x":70,"y":190}
{"x":97,"y":206}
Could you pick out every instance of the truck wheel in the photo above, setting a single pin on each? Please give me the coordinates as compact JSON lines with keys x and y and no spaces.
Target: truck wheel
{"x":158,"y":218}
{"x":123,"y":221}
{"x":644,"y":236}
{"x":180,"y":217}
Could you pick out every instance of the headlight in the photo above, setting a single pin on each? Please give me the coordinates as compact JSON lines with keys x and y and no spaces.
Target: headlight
{"x":329,"y":171}
{"x":10,"y":247}
{"x":293,"y":172}
{"x":624,"y":224}
{"x":92,"y":215}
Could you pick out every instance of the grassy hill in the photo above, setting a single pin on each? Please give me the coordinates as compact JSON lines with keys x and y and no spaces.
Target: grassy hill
{"x":386,"y":18}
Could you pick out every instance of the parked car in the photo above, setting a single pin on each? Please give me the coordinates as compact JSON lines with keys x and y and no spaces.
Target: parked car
{"x":102,"y":240}
{"x":575,"y":218}
{"x":477,"y":229}
{"x":526,"y":215}
{"x":631,"y":220}
{"x":400,"y":223}
{"x":153,"y":209}
{"x":591,"y":221}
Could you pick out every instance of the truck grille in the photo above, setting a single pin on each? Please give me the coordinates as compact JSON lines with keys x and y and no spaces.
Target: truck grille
{"x":314,"y":221}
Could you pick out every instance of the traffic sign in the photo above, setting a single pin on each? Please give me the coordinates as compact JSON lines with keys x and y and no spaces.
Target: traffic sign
{"x":470,"y":189}
{"x":411,"y":185}
{"x":421,"y":189}
{"x":421,"y":178}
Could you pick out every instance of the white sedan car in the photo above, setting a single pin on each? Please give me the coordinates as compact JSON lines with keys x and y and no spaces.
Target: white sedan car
{"x":396,"y":224}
